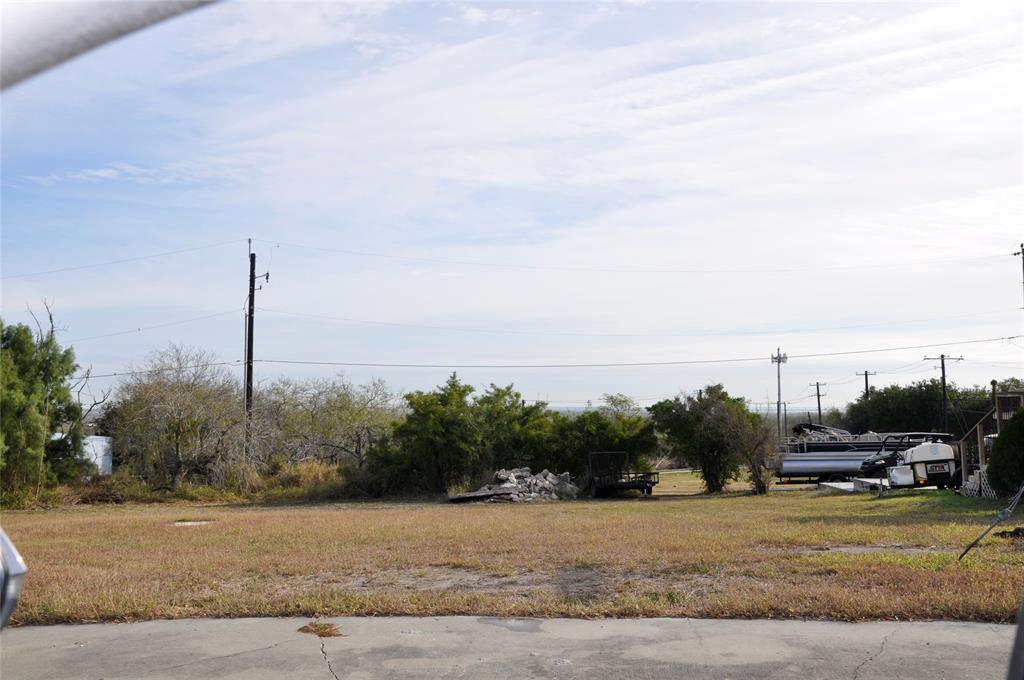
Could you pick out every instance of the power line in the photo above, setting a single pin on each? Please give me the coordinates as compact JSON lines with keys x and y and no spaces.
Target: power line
{"x":147,"y":371}
{"x":623,"y":364}
{"x":597,"y":400}
{"x":914,"y":367}
{"x":607,"y":270}
{"x":997,"y":364}
{"x":1007,"y":338}
{"x":121,"y":261}
{"x":468,"y":366}
{"x":463,"y":329}
{"x":553,"y":365}
{"x":149,"y":328}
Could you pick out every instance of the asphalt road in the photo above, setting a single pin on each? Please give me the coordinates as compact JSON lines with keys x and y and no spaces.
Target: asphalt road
{"x":468,"y":647}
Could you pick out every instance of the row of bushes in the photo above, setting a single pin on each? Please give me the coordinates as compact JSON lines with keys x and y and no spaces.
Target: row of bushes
{"x":178,"y":432}
{"x":311,"y":480}
{"x":295,"y":482}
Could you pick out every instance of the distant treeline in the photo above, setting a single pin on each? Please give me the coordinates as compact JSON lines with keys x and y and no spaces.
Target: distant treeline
{"x":178,"y":425}
{"x":917,"y":407}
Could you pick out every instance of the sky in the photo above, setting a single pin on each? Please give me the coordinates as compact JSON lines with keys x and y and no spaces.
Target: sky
{"x":535,"y":183}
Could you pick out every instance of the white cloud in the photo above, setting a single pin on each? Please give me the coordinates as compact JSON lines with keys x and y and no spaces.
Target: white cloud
{"x":503,"y":15}
{"x":837,"y":140}
{"x":259,"y":32}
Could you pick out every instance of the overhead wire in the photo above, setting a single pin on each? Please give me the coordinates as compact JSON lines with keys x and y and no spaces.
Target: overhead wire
{"x":235,"y":362}
{"x":626,"y":364}
{"x":695,"y":333}
{"x":1008,"y":338}
{"x":511,"y":265}
{"x":149,"y":328}
{"x":120,"y":261}
{"x":905,"y":366}
{"x":614,"y":270}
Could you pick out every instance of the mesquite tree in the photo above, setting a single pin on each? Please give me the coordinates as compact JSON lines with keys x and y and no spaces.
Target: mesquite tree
{"x":714,"y":430}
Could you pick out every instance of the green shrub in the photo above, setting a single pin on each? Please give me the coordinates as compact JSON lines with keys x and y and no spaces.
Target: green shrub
{"x":390,"y":470}
{"x":303,"y":474}
{"x":15,"y":499}
{"x":330,"y":490}
{"x":116,"y":488}
{"x":306,"y":481}
{"x":119,"y":487}
{"x":236,"y":477}
{"x":205,"y":494}
{"x":1006,"y":464}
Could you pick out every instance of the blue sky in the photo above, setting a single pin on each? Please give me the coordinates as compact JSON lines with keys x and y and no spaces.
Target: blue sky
{"x":741,"y":138}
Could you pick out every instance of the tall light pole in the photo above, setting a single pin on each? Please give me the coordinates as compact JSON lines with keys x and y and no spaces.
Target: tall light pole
{"x":779,"y":358}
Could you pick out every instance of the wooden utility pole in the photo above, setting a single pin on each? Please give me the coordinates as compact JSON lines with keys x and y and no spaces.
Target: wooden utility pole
{"x":817,"y":391}
{"x":866,"y":392}
{"x":250,"y":309}
{"x":945,"y":398}
{"x":249,"y":314}
{"x":779,"y":358}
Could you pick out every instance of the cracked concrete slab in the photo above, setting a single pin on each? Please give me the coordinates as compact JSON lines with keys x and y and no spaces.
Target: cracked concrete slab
{"x":327,"y":659}
{"x":469,"y":647}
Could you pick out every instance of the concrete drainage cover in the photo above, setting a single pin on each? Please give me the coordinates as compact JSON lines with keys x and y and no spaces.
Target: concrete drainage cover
{"x":192,"y":522}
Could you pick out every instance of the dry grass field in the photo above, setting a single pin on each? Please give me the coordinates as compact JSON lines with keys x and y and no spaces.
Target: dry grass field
{"x":795,"y":553}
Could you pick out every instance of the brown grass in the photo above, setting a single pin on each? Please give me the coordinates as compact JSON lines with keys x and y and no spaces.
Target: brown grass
{"x":791,"y":554}
{"x":321,"y":629}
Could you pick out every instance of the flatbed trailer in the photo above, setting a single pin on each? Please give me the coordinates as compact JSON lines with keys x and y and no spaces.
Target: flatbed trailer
{"x":609,"y":471}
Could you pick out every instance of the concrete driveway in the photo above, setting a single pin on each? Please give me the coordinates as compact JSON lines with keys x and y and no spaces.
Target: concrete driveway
{"x":468,"y":647}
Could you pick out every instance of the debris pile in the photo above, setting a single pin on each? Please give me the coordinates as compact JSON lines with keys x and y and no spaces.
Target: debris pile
{"x":1017,"y":533}
{"x":522,"y":486}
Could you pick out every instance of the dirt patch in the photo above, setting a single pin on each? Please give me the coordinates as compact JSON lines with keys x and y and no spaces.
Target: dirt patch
{"x":872,"y":549}
{"x":575,"y":583}
{"x":425,"y":579}
{"x":580,"y":582}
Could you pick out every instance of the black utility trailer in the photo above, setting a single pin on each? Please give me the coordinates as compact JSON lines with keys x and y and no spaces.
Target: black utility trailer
{"x":609,"y":470}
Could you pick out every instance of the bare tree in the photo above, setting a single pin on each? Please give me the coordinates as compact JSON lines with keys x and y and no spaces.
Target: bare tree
{"x":179,"y":416}
{"x":329,"y":420}
{"x":79,"y":387}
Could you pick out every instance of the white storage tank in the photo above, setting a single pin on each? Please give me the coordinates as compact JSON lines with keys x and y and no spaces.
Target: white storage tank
{"x":100,"y":450}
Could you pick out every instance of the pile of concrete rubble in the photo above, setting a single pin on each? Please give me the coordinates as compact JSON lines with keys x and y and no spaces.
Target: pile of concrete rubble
{"x":522,"y":486}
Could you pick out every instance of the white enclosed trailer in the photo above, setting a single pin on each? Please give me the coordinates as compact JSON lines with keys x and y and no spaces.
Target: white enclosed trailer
{"x":928,"y":464}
